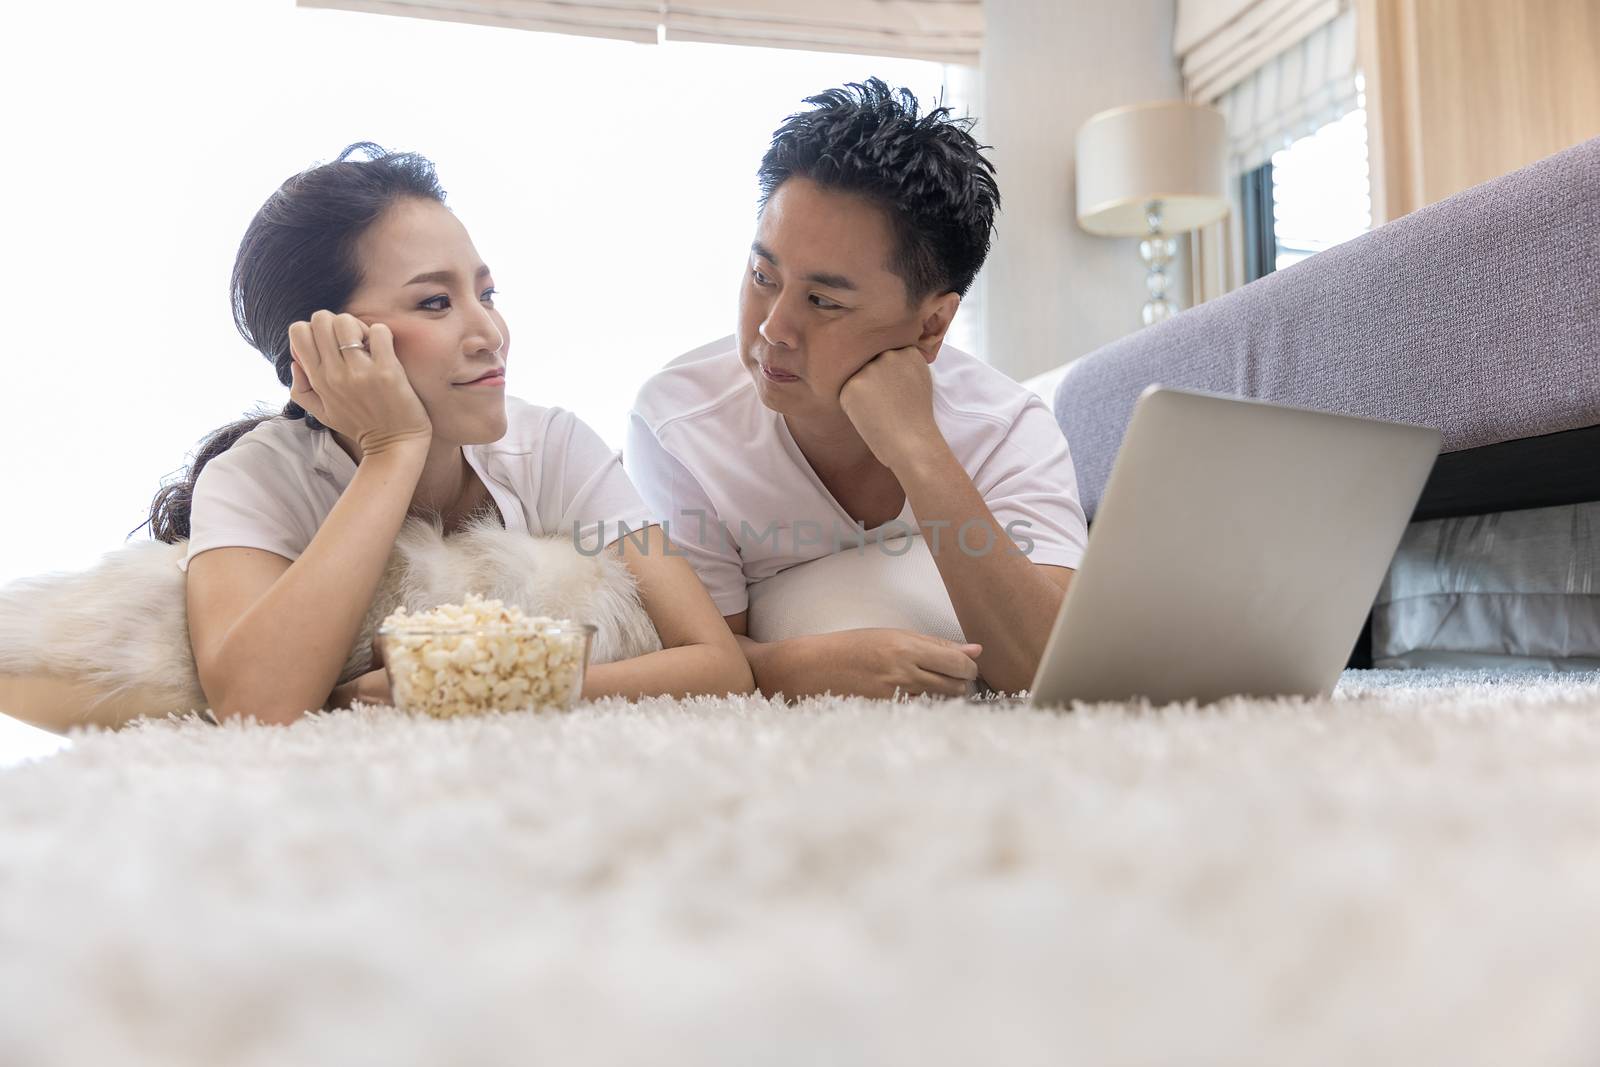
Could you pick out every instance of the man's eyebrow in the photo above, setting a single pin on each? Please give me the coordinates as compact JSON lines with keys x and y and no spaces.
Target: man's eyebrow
{"x":827,"y":281}
{"x":444,"y":275}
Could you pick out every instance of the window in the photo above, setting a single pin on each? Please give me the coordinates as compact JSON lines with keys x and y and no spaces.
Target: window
{"x":1318,"y":193}
{"x":1260,"y":236}
{"x":610,"y":185}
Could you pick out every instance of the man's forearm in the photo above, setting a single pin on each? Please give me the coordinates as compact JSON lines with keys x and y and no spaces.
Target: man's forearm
{"x":1002,"y":600}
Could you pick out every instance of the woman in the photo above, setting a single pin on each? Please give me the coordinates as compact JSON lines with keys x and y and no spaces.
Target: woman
{"x":366,"y":294}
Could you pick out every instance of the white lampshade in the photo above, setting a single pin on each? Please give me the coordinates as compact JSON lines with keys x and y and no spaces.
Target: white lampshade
{"x":1168,"y":151}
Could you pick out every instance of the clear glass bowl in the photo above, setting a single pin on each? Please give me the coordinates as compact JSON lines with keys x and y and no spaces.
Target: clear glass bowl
{"x":476,"y":670}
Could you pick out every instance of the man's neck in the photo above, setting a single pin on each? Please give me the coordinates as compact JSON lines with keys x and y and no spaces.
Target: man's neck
{"x":831,"y":446}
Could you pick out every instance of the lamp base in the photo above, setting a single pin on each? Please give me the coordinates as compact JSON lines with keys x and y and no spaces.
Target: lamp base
{"x":1155,"y":311}
{"x":1157,"y":250}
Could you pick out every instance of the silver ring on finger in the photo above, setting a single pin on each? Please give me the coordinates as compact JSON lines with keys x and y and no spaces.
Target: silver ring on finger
{"x":353,"y":344}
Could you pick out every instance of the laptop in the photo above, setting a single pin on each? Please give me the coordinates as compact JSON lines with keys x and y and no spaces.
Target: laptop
{"x":1237,"y":550}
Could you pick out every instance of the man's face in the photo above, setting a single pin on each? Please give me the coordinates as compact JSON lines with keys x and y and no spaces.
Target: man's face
{"x":818,"y":300}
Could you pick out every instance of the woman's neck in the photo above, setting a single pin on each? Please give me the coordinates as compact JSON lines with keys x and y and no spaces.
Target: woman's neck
{"x":447,"y":486}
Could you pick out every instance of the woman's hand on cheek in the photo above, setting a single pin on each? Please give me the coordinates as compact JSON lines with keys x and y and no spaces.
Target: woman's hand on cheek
{"x":349,"y":371}
{"x":301,"y":393}
{"x":890,"y":403}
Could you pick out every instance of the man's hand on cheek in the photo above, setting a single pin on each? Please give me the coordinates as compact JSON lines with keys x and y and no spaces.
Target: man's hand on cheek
{"x":890,"y":402}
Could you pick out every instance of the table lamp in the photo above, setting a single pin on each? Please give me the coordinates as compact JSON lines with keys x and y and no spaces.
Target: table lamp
{"x":1152,"y":170}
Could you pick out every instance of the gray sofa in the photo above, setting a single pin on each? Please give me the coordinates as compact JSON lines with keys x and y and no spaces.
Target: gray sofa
{"x":1479,"y":315}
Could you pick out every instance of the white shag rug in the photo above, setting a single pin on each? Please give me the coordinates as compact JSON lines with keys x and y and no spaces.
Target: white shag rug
{"x":1406,"y":873}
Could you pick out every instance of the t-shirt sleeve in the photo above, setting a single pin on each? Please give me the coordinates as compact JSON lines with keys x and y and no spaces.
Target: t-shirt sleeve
{"x":1031,"y":488}
{"x":584,"y":492}
{"x":693,"y":525}
{"x":248,"y":498}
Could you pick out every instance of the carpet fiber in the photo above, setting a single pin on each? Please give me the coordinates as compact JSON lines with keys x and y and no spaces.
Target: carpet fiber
{"x":1408,"y":872}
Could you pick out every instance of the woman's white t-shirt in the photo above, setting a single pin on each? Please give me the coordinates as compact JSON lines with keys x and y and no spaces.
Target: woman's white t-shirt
{"x":743,"y":504}
{"x":549,"y":474}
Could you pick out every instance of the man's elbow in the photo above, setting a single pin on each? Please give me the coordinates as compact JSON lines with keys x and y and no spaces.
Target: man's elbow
{"x":1011,"y":674}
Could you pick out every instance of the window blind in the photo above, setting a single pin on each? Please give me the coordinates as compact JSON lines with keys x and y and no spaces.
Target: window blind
{"x":1219,"y":43}
{"x":946,"y":31}
{"x":628,"y":20}
{"x":1309,"y":84}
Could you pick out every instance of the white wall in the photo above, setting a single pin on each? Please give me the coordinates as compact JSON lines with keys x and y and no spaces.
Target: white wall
{"x":1053,"y":292}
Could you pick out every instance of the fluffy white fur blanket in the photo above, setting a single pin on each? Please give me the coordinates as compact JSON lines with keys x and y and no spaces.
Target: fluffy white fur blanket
{"x":122,"y":626}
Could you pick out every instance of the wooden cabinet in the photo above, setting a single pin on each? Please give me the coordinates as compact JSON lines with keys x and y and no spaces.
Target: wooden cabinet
{"x":1461,"y":91}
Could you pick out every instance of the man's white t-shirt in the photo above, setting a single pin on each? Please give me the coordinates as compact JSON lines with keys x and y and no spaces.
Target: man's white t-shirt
{"x":743,"y":504}
{"x":275,"y":486}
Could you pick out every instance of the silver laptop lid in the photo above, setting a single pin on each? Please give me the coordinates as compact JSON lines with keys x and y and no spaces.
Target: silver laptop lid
{"x":1238,"y":549}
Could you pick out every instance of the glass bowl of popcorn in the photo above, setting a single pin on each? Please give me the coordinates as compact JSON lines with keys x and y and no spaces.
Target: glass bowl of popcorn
{"x":483,"y":656}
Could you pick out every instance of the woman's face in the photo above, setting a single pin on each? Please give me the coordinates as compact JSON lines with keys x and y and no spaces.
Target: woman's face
{"x":422,"y":278}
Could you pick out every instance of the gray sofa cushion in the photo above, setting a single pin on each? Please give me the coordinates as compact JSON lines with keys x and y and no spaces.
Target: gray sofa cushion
{"x":1479,"y":315}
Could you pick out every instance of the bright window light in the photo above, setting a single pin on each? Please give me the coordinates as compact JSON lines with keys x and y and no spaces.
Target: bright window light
{"x":1319,"y":189}
{"x":610,"y":185}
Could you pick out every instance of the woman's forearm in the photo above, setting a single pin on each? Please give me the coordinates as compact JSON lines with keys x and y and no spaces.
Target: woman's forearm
{"x":682,"y":671}
{"x":783,"y":667}
{"x":369,"y":688}
{"x":698,"y":653}
{"x":285,"y":653}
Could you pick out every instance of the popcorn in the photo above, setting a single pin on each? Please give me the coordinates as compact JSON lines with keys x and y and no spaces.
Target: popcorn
{"x":480,"y":656}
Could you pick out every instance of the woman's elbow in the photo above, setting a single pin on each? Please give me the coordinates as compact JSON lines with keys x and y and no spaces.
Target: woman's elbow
{"x":263,"y":716}
{"x":265,"y":712}
{"x":734,"y":676}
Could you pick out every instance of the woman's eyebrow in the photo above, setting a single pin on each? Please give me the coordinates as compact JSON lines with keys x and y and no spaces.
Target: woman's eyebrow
{"x":445,"y":275}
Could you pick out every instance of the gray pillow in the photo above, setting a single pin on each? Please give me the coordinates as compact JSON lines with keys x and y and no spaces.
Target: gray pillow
{"x":1510,"y":589}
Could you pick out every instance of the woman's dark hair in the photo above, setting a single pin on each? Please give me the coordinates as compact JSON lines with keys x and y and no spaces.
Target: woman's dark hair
{"x":298,"y":256}
{"x":939,"y":192}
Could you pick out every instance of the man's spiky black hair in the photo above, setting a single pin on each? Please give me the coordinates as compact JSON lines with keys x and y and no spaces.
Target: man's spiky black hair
{"x":926,"y":171}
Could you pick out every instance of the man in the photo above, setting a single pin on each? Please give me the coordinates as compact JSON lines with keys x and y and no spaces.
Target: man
{"x":837,"y":410}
